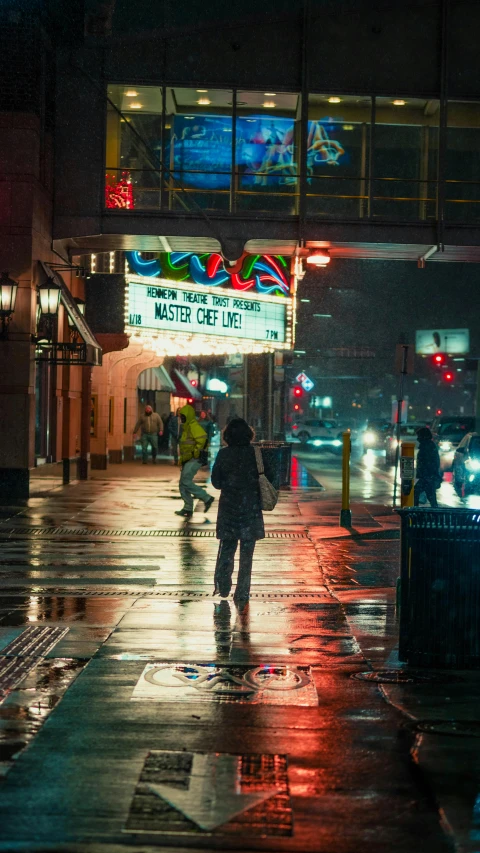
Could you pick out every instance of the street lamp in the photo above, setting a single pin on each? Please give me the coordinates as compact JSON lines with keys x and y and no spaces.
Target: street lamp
{"x":81,"y":308}
{"x":49,"y":298}
{"x":8,"y":296}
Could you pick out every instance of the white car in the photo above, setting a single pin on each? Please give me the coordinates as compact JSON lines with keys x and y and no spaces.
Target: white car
{"x":319,"y":433}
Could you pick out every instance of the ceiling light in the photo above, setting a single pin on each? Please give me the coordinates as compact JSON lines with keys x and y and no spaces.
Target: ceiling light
{"x":202,"y":90}
{"x":204,"y":102}
{"x":318,"y":259}
{"x":347,"y":127}
{"x":269,"y":94}
{"x":131,"y":93}
{"x":334,"y":100}
{"x":269,"y":104}
{"x":136,"y":106}
{"x":398,"y":102}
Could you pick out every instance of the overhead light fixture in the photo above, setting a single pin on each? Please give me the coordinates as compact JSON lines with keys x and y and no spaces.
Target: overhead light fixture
{"x":81,"y":308}
{"x":398,"y":102}
{"x":131,"y":93}
{"x":269,"y":94}
{"x":201,"y":90}
{"x":269,"y":104}
{"x":204,"y":102}
{"x":188,"y":117}
{"x":49,"y":297}
{"x":136,"y":106}
{"x":347,"y":127}
{"x":8,"y":297}
{"x":318,"y":259}
{"x":334,"y":100}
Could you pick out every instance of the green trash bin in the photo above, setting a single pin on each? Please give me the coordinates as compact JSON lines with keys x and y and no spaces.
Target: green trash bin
{"x":440,"y":588}
{"x":278,"y":456}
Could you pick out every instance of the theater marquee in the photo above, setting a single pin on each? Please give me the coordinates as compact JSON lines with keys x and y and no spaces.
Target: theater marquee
{"x":201,"y":319}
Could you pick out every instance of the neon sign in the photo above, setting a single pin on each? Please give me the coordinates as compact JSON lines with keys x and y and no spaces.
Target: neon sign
{"x":264,"y":273}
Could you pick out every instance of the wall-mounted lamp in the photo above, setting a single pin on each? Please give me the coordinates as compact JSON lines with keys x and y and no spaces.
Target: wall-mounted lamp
{"x":49,"y":297}
{"x":8,"y":297}
{"x":81,"y":308}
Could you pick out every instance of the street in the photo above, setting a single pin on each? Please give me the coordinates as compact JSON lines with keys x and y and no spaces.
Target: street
{"x":138,"y":711}
{"x":371,"y":480}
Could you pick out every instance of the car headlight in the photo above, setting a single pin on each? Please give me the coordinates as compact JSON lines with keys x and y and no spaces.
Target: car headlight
{"x":445,"y":445}
{"x":472,"y":464}
{"x":317,"y":442}
{"x":369,"y":437}
{"x":337,"y":443}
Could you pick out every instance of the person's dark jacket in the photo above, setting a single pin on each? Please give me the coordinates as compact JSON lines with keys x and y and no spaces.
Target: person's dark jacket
{"x":428,"y":461}
{"x":239,"y":511}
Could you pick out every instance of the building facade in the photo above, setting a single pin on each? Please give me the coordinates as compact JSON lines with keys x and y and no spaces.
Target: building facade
{"x":230,"y":129}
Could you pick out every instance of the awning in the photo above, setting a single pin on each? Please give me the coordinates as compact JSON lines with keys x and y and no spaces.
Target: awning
{"x":90,"y":353}
{"x":183,"y":387}
{"x":155,"y":379}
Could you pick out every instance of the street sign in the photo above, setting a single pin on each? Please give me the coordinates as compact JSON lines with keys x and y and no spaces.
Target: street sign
{"x":404,"y":359}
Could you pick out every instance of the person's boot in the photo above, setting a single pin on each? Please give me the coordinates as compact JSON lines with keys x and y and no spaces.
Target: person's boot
{"x":184,"y":512}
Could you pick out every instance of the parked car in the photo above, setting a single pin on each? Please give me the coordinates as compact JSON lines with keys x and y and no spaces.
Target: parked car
{"x":408,"y":432}
{"x":466,"y":465}
{"x":373,"y":437}
{"x":317,"y":433}
{"x":448,"y":431}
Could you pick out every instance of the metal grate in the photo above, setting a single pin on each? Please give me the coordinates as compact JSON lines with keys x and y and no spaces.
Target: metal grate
{"x":24,"y":653}
{"x":103,"y":592}
{"x":120,"y":532}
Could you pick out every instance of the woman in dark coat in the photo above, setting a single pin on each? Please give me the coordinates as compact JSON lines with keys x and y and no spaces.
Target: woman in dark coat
{"x":428,"y":473}
{"x":239,"y":511}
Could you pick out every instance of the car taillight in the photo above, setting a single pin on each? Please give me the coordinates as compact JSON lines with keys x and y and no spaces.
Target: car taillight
{"x":295,"y":426}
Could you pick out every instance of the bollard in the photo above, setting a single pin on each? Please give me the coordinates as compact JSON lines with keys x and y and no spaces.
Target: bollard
{"x":345,"y":512}
{"x":407,"y":473}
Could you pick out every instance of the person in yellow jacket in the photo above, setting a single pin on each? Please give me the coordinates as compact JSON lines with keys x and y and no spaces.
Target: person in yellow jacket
{"x":192,"y":442}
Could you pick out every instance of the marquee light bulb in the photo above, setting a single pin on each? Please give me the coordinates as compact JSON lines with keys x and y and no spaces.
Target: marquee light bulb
{"x":319,"y":259}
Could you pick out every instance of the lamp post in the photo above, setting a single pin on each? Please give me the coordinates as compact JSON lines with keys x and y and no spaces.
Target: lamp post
{"x":49,"y":295}
{"x":8,"y":297}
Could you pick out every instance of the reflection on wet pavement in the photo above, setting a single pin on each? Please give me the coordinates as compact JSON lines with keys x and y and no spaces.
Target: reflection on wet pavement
{"x":143,"y":621}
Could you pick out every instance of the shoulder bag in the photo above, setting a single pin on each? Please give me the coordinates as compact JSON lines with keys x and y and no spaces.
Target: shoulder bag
{"x":268,"y":494}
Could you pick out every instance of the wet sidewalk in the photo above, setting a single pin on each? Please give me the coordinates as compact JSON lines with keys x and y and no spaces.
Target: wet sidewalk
{"x":137,"y":711}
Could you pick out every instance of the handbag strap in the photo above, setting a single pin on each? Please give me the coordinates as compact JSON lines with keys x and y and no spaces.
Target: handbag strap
{"x":259,"y":460}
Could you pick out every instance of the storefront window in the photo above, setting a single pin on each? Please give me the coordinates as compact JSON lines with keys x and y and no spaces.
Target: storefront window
{"x":133,"y":147}
{"x":198,"y":148}
{"x":338,"y":148}
{"x":462,"y":166}
{"x":405,"y":160}
{"x":266,"y":151}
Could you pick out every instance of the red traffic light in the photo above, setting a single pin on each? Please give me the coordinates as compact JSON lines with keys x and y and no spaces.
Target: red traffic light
{"x":296,"y":407}
{"x":448,"y":376}
{"x":438,"y":359}
{"x":297,"y":391}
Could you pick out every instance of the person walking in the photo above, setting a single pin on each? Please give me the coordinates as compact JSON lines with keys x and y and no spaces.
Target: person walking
{"x":240,"y":517}
{"x":429,"y":476}
{"x":191,"y":445}
{"x":150,"y":426}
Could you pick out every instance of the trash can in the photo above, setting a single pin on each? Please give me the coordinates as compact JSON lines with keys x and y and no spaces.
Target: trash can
{"x":440,"y":588}
{"x":278,"y":457}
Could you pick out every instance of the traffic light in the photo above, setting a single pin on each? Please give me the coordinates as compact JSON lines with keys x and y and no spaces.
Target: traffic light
{"x":296,"y":407}
{"x":448,"y":376}
{"x":439,"y":358}
{"x":297,"y":391}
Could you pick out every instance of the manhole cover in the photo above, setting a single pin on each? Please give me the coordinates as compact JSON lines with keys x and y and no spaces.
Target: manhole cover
{"x":458,"y":728}
{"x":403,"y":676}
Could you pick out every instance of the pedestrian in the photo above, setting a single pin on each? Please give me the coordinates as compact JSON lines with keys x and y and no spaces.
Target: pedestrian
{"x":429,"y":476}
{"x":163,"y":441}
{"x":192,"y":457}
{"x":240,"y":516}
{"x":207,"y":424}
{"x":174,"y":434}
{"x":150,"y":426}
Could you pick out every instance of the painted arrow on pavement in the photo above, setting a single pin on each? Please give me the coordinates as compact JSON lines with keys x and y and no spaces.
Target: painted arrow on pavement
{"x":214,"y":795}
